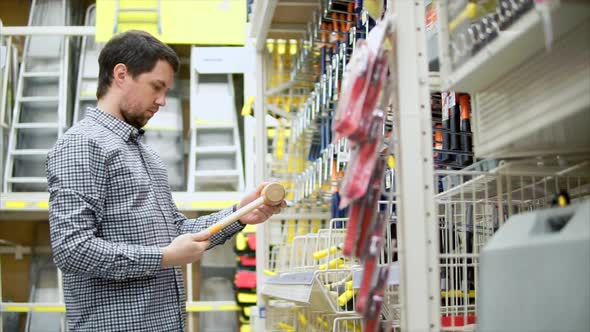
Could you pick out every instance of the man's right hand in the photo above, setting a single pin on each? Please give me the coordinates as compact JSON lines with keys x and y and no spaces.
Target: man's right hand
{"x":185,"y":249}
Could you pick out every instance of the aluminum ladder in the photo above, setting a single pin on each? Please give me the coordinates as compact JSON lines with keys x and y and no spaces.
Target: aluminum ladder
{"x":88,"y":70}
{"x":128,"y":14}
{"x":163,"y":133}
{"x":215,"y":154}
{"x":40,"y":107}
{"x":8,"y":79}
{"x":45,"y":288}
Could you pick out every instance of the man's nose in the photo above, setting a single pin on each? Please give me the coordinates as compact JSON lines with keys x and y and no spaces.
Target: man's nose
{"x":161,"y":101}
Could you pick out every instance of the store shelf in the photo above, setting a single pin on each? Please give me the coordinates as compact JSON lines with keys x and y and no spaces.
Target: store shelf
{"x":294,"y":286}
{"x":304,"y":287}
{"x":208,"y":306}
{"x":48,"y":30}
{"x":542,"y":106}
{"x":513,"y":46}
{"x":280,"y":19}
{"x":12,"y":204}
{"x":526,"y":178}
{"x":197,"y":306}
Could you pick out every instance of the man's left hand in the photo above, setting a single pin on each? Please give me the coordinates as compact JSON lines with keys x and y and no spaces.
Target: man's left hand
{"x":263,"y":212}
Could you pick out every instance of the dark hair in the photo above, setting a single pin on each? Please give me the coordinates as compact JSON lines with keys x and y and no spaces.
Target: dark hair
{"x":138,"y":50}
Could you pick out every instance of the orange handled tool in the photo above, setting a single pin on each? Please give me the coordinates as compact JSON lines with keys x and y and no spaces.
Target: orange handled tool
{"x":273,"y":194}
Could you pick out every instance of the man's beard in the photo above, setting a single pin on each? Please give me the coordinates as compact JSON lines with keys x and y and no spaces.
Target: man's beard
{"x":137,"y":121}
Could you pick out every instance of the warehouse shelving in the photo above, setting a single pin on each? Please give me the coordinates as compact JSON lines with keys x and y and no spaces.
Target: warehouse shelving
{"x":524,"y":87}
{"x":520,"y":41}
{"x":418,"y":82}
{"x":12,"y":203}
{"x":200,"y":201}
{"x":528,"y":95}
{"x":28,"y":206}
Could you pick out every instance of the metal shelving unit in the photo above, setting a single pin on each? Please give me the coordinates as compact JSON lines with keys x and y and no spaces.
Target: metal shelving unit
{"x":515,"y":45}
{"x":416,"y":202}
{"x":529,"y":107}
{"x":531,"y":82}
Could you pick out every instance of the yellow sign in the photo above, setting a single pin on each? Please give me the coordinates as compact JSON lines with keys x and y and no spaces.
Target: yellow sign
{"x":203,"y":22}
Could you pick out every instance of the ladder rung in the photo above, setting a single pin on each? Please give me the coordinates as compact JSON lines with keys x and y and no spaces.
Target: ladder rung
{"x":138,"y":20}
{"x":213,"y":126}
{"x":27,"y":180}
{"x":220,"y":174}
{"x":34,"y":99}
{"x":216,"y":149}
{"x":36,"y":125}
{"x":34,"y":74}
{"x":138,"y":9}
{"x":56,"y":58}
{"x":29,"y":152}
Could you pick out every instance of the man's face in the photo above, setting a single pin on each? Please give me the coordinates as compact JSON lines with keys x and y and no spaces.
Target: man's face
{"x":145,"y":94}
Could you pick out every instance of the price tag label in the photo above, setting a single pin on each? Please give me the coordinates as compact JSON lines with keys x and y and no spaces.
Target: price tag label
{"x":452,"y":101}
{"x":343,"y":156}
{"x":388,"y":179}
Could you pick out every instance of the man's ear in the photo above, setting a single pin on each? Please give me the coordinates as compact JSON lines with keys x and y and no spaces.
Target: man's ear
{"x":119,"y":74}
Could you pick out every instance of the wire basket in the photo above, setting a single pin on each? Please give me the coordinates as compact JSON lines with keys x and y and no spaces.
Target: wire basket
{"x":280,"y":316}
{"x":474,"y":204}
{"x":348,"y":324}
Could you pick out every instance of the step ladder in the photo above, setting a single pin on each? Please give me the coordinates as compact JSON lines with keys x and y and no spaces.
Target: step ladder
{"x":45,"y":288}
{"x":40,"y":107}
{"x":88,"y":71}
{"x":163,"y":133}
{"x":8,"y":79}
{"x":215,"y":154}
{"x":138,"y":15}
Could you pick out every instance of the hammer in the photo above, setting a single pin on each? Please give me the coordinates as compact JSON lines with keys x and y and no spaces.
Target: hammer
{"x":273,"y":194}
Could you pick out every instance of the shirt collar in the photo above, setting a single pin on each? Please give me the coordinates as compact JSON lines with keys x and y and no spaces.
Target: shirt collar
{"x":121,"y":128}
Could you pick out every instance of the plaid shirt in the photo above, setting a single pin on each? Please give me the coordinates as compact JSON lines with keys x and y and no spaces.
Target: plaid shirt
{"x":110,"y":213}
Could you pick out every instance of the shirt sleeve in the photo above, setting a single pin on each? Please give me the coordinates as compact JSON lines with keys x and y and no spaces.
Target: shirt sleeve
{"x":77,"y":182}
{"x":185,"y":225}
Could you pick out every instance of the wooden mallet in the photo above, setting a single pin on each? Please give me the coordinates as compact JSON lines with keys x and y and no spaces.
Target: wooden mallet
{"x":273,"y":194}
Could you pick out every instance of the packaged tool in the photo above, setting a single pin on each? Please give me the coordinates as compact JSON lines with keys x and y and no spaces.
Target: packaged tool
{"x":371,"y":207}
{"x":465,"y":129}
{"x":372,"y":312}
{"x":447,"y":99}
{"x":358,"y":173}
{"x":370,"y":261}
{"x":356,"y":210}
{"x":362,"y":213}
{"x":356,"y":78}
{"x":362,"y":86}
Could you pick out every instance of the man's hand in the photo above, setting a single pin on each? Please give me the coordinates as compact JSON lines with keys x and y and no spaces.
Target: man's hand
{"x":185,"y":249}
{"x":263,"y":212}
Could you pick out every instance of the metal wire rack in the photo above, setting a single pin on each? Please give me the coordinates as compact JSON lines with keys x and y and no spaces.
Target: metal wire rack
{"x":335,"y":279}
{"x":472,"y":205}
{"x":288,"y":316}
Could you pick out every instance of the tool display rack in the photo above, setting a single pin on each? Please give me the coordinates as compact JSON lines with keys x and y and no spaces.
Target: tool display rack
{"x":526,"y":153}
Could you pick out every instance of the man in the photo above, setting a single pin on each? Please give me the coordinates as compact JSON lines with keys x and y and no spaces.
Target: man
{"x":115,"y":231}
